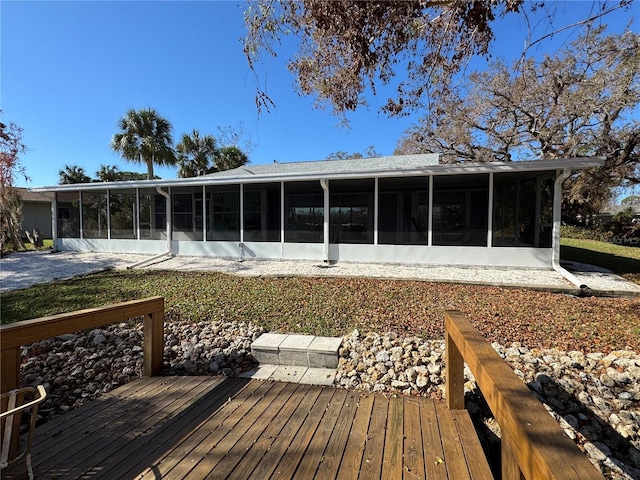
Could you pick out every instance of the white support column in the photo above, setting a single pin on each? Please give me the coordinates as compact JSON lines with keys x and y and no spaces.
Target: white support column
{"x":204,"y":213}
{"x":490,"y":212}
{"x":81,"y":216}
{"x":241,"y":214}
{"x":325,"y":191}
{"x":137,"y":214}
{"x":282,"y":213}
{"x":108,"y":198}
{"x":375,"y":210}
{"x":430,"y":221}
{"x":54,"y":221}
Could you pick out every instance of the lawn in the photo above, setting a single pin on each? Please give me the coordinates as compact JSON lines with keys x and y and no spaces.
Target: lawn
{"x":623,"y":260}
{"x":335,"y":306}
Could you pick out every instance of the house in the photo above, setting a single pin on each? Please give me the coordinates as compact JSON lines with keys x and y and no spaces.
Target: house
{"x":612,"y":210}
{"x":36,"y":211}
{"x":400,"y":209}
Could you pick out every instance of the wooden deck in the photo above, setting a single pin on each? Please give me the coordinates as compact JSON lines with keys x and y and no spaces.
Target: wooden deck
{"x":209,"y":427}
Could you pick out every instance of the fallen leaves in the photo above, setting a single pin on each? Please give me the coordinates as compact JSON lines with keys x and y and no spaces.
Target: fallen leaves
{"x":335,"y":306}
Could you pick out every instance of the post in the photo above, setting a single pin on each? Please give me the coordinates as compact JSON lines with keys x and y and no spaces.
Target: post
{"x":10,"y":369}
{"x":454,"y":382}
{"x":508,"y":461}
{"x":153,"y":342}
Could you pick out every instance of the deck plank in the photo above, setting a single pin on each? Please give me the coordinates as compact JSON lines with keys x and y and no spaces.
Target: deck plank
{"x":179,"y":464}
{"x":453,"y":454}
{"x":239,"y":424}
{"x":315,"y":453}
{"x":298,"y":444}
{"x":473,"y":452}
{"x":207,"y":427}
{"x":171,"y":433}
{"x":372,"y":457}
{"x":431,"y":441}
{"x":85,"y":444}
{"x":263,"y":444}
{"x":279,"y":447}
{"x":354,"y":449}
{"x":394,"y":440}
{"x":413,"y":454}
{"x":337,"y":444}
{"x":240,"y":449}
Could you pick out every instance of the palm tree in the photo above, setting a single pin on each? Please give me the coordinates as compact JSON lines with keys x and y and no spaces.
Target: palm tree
{"x":72,"y":174}
{"x":108,"y":173}
{"x":196,"y":154}
{"x":145,"y":137}
{"x":230,"y":157}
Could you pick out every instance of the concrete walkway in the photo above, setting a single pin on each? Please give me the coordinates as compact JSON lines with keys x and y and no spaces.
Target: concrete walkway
{"x":21,"y":270}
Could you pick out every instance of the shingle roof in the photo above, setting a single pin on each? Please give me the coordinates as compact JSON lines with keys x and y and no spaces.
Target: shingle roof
{"x":352,"y":165}
{"x":28,"y":196}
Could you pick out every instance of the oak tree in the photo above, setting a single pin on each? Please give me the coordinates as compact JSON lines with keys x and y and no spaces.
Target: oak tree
{"x":579,"y":102}
{"x":344,"y":48}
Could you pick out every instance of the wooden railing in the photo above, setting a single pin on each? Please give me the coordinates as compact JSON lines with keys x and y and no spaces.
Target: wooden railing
{"x":533,"y":444}
{"x":15,"y":335}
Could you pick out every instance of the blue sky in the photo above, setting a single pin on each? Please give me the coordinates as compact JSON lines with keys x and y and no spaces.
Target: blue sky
{"x":69,"y":71}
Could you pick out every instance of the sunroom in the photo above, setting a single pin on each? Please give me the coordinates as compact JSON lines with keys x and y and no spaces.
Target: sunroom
{"x":399,"y":209}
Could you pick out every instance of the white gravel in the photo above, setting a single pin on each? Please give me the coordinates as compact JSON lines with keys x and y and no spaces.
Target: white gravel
{"x":20,"y":270}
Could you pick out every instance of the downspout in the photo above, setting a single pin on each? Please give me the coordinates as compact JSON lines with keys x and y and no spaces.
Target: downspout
{"x":168,"y":215}
{"x":555,"y":243}
{"x":325,"y":187}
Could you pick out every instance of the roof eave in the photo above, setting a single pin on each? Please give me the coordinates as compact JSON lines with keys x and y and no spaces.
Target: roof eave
{"x":446,"y":169}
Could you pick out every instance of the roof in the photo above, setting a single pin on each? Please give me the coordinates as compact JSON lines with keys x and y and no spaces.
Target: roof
{"x":613,"y":209}
{"x":380,"y":167}
{"x":349,"y":166}
{"x":34,"y":196}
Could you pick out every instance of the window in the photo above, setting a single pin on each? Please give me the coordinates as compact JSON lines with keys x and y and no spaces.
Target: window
{"x":304,"y":207}
{"x":224,"y":213}
{"x":460,"y":210}
{"x":94,"y":215}
{"x":517,"y":199}
{"x":68,"y":208}
{"x":122,"y":208}
{"x":403,"y":217}
{"x":187,"y":213}
{"x":351,"y":212}
{"x":262,"y":212}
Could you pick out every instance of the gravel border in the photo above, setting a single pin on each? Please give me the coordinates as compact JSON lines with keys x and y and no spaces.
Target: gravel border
{"x":23,"y":269}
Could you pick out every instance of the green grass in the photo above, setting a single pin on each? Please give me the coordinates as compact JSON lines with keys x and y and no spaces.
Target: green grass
{"x":335,"y":306}
{"x":622,"y":260}
{"x":47,"y":244}
{"x":299,"y":305}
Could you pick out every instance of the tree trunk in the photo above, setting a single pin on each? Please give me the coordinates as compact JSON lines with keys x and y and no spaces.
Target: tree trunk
{"x":149,"y":162}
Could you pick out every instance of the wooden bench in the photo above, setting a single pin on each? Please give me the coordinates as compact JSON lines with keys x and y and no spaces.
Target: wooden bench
{"x":533,"y":445}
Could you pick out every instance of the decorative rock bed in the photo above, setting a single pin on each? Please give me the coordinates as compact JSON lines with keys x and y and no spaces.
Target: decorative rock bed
{"x":594,"y":397}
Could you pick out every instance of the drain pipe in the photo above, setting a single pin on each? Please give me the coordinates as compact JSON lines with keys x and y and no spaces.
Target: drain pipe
{"x":325,"y":187}
{"x":555,"y":252}
{"x":168,"y":215}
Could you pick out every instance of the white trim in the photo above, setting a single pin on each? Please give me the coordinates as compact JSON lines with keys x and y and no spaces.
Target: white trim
{"x":204,"y":213}
{"x":528,"y":257}
{"x":137,"y":214}
{"x":282,"y":213}
{"x":490,"y":213}
{"x":241,"y":215}
{"x":430,"y":217}
{"x":81,"y":214}
{"x":446,"y":169}
{"x":108,"y":200}
{"x":375,"y":210}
